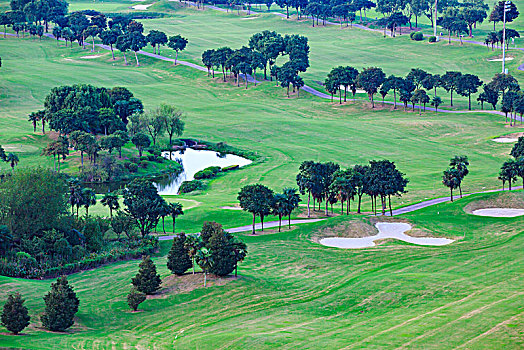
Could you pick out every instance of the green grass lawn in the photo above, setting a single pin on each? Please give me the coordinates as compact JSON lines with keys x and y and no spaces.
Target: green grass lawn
{"x":293,"y":293}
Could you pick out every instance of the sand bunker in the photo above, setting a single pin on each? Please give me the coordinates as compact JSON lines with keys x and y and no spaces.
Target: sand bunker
{"x":141,"y":7}
{"x":231,"y":208}
{"x":505,"y":140}
{"x":91,"y":56}
{"x":499,"y":212}
{"x":499,"y":59}
{"x":385,"y":230}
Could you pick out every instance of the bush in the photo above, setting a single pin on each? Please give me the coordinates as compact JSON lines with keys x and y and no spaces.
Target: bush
{"x":144,"y":158}
{"x":160,"y":159}
{"x":147,"y":280}
{"x":143,"y":164}
{"x":417,"y":36}
{"x":135,"y":298}
{"x":14,"y":315}
{"x":61,"y":305}
{"x":178,"y":260}
{"x":190,"y":186}
{"x":208,"y":172}
{"x":230,"y":167}
{"x":133,"y":168}
{"x":432,"y":39}
{"x":411,"y":35}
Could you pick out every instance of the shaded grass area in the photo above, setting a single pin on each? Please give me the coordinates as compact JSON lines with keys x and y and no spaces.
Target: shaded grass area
{"x":294,"y":293}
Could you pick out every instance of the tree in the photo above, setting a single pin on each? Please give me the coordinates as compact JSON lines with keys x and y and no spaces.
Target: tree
{"x":509,"y":172}
{"x":207,"y":60}
{"x":135,"y":298}
{"x":147,"y":280}
{"x":110,"y":37}
{"x":518,"y":148}
{"x":110,"y":200}
{"x":468,"y":84}
{"x":3,"y":156}
{"x":417,"y":76}
{"x":370,"y":80}
{"x":61,"y":305}
{"x":256,"y":199}
{"x":497,"y":14}
{"x":157,"y":38}
{"x":155,"y":124}
{"x":306,"y":181}
{"x":204,"y":260}
{"x":175,"y":210}
{"x":178,"y":259}
{"x":177,"y":43}
{"x":279,"y":207}
{"x":420,"y":96}
{"x":88,"y":199}
{"x":291,"y":201}
{"x":450,"y":80}
{"x":144,"y":204}
{"x":123,"y":44}
{"x":489,"y":95}
{"x":173,"y":123}
{"x":15,"y":316}
{"x":460,"y":163}
{"x":451,"y":179}
{"x":141,"y":141}
{"x":501,"y":83}
{"x":435,"y":102}
{"x":221,"y":57}
{"x":192,"y":244}
{"x":13,"y":160}
{"x":137,"y":41}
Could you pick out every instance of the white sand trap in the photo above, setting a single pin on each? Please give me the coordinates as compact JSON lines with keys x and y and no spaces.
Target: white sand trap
{"x":499,"y":59}
{"x":231,"y":208}
{"x":141,"y":7}
{"x":385,"y":230}
{"x":505,"y":140}
{"x":499,"y":212}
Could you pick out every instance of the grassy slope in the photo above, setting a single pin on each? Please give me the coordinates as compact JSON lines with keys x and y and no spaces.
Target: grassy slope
{"x":296,"y":294}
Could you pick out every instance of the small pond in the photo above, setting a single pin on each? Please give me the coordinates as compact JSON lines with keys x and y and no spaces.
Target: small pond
{"x":194,"y":161}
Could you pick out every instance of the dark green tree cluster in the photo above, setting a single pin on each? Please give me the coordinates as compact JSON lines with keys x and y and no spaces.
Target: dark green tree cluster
{"x":262,"y":52}
{"x":61,"y":305}
{"x":327,"y":183}
{"x":147,"y":280}
{"x":261,"y":201}
{"x":15,"y":317}
{"x":215,"y":250}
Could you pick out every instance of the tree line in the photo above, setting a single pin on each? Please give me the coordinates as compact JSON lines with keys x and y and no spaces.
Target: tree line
{"x":261,"y":53}
{"x":513,"y":168}
{"x":414,"y":87}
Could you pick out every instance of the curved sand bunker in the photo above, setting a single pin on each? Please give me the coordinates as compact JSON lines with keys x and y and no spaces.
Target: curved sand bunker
{"x":505,"y":140}
{"x":385,"y":230}
{"x":499,"y":212}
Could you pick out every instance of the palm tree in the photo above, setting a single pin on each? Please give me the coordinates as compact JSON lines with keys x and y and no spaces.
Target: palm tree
{"x":205,"y":261}
{"x":175,"y":210}
{"x":110,"y":200}
{"x":279,"y":207}
{"x":88,"y":199}
{"x":193,"y":244}
{"x":13,"y":160}
{"x":451,"y":179}
{"x":165,"y":210}
{"x":75,"y":195}
{"x":292,"y":200}
{"x":461,"y":164}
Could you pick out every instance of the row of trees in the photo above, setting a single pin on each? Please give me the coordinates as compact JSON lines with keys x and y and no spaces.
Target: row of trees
{"x":373,"y":80}
{"x":328,"y":183}
{"x":261,"y":201}
{"x":262,"y":52}
{"x":61,"y":305}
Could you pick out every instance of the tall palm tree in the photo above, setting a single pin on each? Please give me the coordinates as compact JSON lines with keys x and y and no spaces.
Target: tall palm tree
{"x":75,"y":195}
{"x":88,"y":199}
{"x":110,"y":200}
{"x":175,"y":210}
{"x":13,"y":160}
{"x":461,"y":164}
{"x":193,"y":244}
{"x":205,"y":261}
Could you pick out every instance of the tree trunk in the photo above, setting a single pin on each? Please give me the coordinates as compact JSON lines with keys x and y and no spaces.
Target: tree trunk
{"x":308,"y":200}
{"x":451,"y":190}
{"x":390,"y":211}
{"x":359,"y":201}
{"x":125,"y":58}
{"x":279,"y":222}
{"x":176,"y":56}
{"x":112,"y":52}
{"x":137,"y":63}
{"x":253,"y":231}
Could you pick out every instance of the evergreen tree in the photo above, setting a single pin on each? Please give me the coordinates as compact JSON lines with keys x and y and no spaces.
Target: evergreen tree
{"x":135,"y":298}
{"x":15,"y":316}
{"x":147,"y":280}
{"x":61,"y":305}
{"x":178,"y":260}
{"x":221,"y":249}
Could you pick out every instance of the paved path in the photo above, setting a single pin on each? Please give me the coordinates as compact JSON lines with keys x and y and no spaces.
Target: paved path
{"x":258,"y":226}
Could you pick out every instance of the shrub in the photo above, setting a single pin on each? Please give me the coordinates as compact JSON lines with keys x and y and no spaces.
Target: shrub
{"x":190,"y":186}
{"x":411,"y":35}
{"x":61,"y":305}
{"x":230,"y":167}
{"x":135,"y":298}
{"x":178,"y":260}
{"x":432,"y":39}
{"x":160,"y":159}
{"x":143,"y":164}
{"x":147,"y":280}
{"x":208,"y":172}
{"x":14,"y":315}
{"x":417,"y":36}
{"x":133,"y":168}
